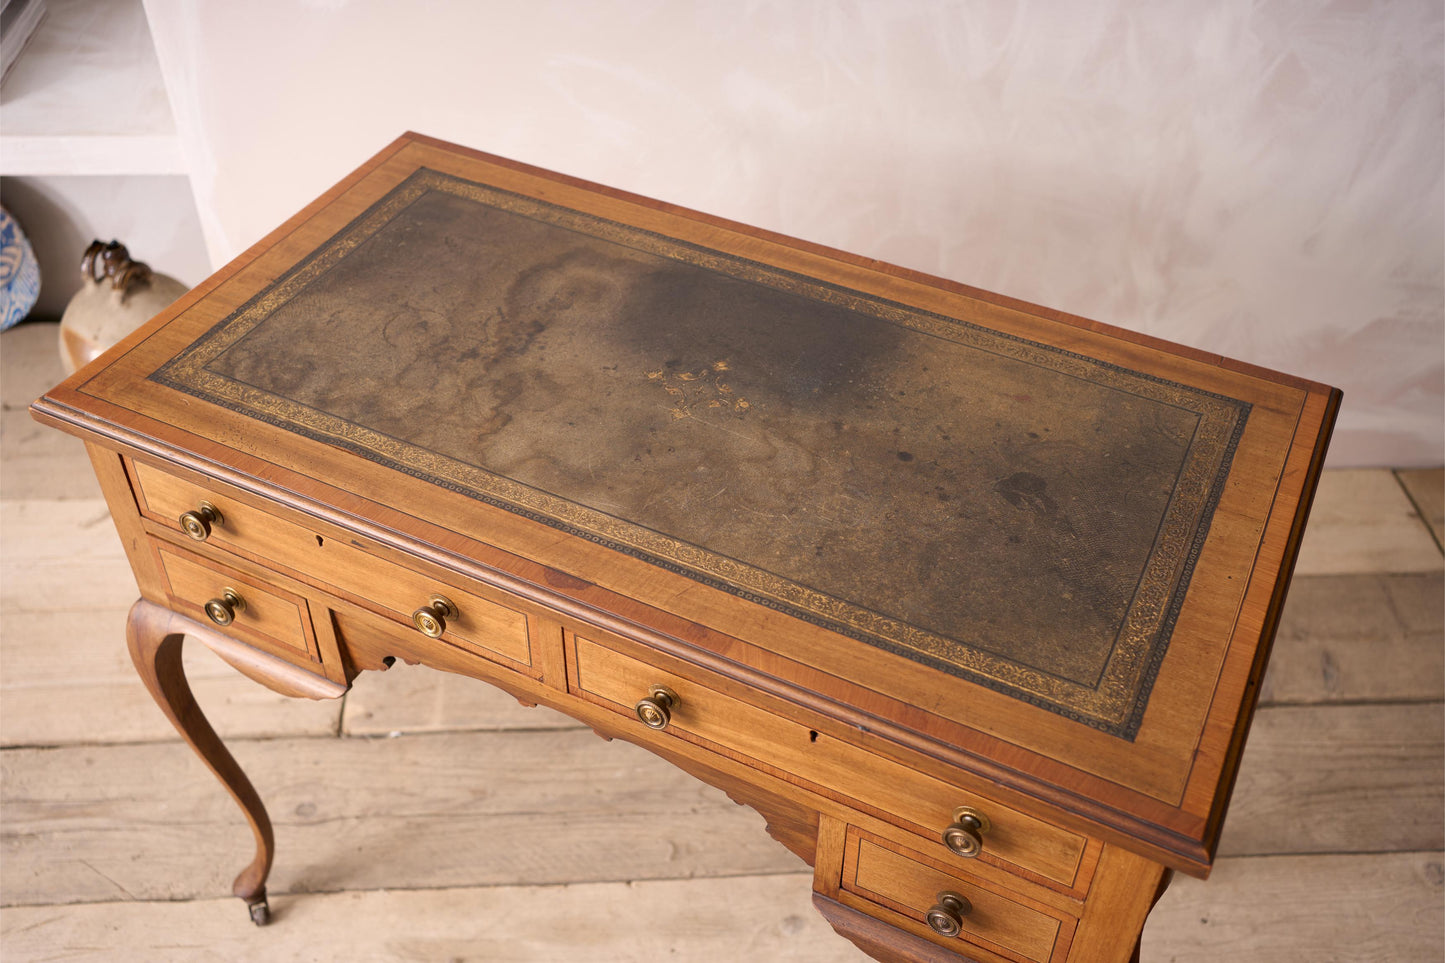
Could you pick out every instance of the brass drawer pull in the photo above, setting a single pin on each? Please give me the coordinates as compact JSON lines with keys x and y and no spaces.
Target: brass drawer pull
{"x":431,"y":618}
{"x":656,"y":710}
{"x":946,"y":916}
{"x":964,"y":836}
{"x":223,"y":610}
{"x":197,"y":524}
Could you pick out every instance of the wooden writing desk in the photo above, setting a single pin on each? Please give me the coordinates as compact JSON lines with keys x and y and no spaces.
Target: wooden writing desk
{"x":969,"y":599}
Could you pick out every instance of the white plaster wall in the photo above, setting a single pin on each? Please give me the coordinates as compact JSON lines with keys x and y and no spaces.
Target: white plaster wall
{"x":1258,"y":179}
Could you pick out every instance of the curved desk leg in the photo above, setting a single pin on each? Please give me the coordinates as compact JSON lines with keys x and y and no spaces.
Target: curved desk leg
{"x":155,"y":635}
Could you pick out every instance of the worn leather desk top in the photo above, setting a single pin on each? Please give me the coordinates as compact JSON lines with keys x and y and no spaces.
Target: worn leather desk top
{"x":1065,"y":545}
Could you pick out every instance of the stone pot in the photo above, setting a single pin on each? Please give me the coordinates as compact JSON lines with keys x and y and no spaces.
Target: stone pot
{"x":117,"y":296}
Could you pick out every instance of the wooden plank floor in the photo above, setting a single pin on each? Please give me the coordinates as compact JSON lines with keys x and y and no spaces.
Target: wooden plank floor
{"x":429,"y":818}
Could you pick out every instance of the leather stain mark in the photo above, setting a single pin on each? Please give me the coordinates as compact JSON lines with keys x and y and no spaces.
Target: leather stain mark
{"x":1029,"y":492}
{"x":1026,"y":490}
{"x":696,"y":390}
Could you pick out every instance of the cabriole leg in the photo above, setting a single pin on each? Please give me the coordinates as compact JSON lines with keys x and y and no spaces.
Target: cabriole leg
{"x":155,"y":636}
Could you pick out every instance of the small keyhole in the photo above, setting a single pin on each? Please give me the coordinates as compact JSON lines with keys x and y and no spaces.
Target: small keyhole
{"x":812,"y":735}
{"x":318,"y":541}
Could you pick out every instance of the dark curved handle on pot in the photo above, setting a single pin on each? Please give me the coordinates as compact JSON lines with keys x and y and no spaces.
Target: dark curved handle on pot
{"x":110,"y":259}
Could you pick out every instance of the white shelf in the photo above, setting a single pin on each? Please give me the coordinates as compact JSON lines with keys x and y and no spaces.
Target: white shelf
{"x":87,"y":97}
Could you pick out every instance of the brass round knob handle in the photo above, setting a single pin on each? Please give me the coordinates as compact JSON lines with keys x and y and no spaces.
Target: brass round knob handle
{"x":431,"y":618}
{"x":656,"y":710}
{"x":964,"y":836}
{"x":946,"y":916}
{"x":223,"y":610}
{"x":197,"y":524}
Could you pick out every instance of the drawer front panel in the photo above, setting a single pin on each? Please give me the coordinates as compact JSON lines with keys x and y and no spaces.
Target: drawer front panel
{"x":276,"y":620}
{"x":165,"y":498}
{"x":482,"y":626}
{"x":901,"y":882}
{"x":1014,"y":841}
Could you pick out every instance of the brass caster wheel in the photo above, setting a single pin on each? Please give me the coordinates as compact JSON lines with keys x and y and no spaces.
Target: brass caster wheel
{"x":260,"y":911}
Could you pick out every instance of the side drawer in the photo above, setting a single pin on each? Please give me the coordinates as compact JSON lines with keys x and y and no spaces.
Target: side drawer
{"x":337,"y":562}
{"x":164,"y":498}
{"x":904,"y":888}
{"x":1015,"y":841}
{"x":260,"y":613}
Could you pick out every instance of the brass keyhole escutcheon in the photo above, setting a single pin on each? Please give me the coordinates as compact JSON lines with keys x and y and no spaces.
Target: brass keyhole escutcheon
{"x":656,"y":710}
{"x":946,"y":916}
{"x":964,"y":836}
{"x":197,"y":524}
{"x":431,"y":619}
{"x":222,"y":611}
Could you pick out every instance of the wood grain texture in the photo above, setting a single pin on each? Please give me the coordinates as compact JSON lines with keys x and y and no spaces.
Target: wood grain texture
{"x":1365,"y":522}
{"x":749,"y":918}
{"x":36,"y":463}
{"x":82,"y":552}
{"x":879,"y":941}
{"x":1254,"y":910}
{"x":1106,"y":928}
{"x":514,"y":808}
{"x":37,"y":459}
{"x":265,"y":615}
{"x":1350,"y":638}
{"x":1269,"y":909}
{"x":155,"y":636}
{"x":1328,"y":779}
{"x":1426,"y":488}
{"x":997,"y":920}
{"x":411,"y":699}
{"x":1292,"y":908}
{"x":826,"y":763}
{"x":42,"y":688}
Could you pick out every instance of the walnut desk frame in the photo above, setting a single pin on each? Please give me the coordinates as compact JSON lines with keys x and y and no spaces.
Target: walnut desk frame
{"x":970,"y":599}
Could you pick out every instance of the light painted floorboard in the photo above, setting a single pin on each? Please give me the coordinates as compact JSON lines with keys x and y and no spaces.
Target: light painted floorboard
{"x":1264,"y":909}
{"x":84,"y":823}
{"x":1304,"y":909}
{"x":41,"y":462}
{"x":412,"y":699}
{"x":720,"y":919}
{"x":1340,"y":779}
{"x":1426,"y":487}
{"x":1352,"y":638}
{"x":88,"y":823}
{"x":1362,"y":521}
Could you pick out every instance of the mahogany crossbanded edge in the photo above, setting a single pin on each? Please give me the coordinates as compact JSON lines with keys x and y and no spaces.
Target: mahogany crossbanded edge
{"x":570,"y":596}
{"x":1245,"y":691}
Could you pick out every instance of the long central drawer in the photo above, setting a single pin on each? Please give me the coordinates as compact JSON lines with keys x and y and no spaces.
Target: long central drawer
{"x":602,"y":673}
